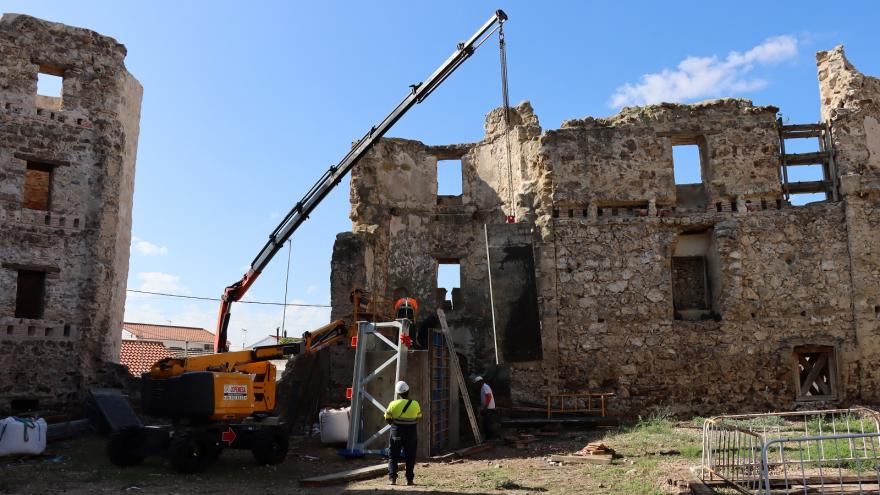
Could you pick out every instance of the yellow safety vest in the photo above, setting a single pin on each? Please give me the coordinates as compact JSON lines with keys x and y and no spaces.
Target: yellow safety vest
{"x":396,"y":411}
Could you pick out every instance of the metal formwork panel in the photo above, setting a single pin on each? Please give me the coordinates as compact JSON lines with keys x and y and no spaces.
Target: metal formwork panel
{"x":440,"y":392}
{"x":371,"y":333}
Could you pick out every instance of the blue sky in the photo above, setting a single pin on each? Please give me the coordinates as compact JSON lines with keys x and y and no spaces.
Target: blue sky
{"x":246,"y":104}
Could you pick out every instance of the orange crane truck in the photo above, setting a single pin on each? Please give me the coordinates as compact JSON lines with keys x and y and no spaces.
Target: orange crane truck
{"x":226,"y":400}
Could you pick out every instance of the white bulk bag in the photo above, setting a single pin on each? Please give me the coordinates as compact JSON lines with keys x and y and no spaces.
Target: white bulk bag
{"x":334,"y":425}
{"x":22,"y":436}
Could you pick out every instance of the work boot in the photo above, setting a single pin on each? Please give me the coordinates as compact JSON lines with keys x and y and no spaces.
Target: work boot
{"x":392,"y":481}
{"x":410,"y":482}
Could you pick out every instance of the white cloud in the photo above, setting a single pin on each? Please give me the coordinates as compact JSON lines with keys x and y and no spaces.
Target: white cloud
{"x":161,"y":282}
{"x":706,"y":77}
{"x":148,"y":248}
{"x":311,"y":289}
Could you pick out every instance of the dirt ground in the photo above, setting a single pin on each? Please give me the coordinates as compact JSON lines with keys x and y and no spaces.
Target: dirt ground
{"x":653,"y":458}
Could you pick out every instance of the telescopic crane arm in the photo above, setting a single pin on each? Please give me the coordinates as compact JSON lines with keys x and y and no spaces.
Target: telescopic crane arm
{"x":331,"y":178}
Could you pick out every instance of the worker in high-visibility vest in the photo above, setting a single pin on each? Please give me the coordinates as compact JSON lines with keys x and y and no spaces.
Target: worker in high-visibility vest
{"x":403,"y":415}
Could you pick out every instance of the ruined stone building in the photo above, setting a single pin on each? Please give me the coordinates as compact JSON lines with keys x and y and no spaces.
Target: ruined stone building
{"x":716,"y":296}
{"x":67,"y":165}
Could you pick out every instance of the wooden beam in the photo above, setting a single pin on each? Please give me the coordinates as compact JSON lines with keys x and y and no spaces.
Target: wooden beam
{"x":801,"y":134}
{"x":807,"y":187}
{"x":814,"y":158}
{"x":817,"y":368}
{"x":364,"y":473}
{"x":473,"y":449}
{"x":582,"y":459}
{"x":804,"y":127}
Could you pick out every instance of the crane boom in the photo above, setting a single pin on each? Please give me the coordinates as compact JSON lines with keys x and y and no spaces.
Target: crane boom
{"x":331,"y":178}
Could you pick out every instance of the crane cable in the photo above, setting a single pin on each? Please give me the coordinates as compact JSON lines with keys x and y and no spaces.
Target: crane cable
{"x":286,"y":283}
{"x":505,"y":100}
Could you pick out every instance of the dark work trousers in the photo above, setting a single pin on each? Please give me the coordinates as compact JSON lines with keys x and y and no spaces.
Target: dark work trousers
{"x":488,"y":417}
{"x":403,"y":438}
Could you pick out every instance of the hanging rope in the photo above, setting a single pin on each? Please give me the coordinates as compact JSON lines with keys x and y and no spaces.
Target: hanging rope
{"x":505,"y":101}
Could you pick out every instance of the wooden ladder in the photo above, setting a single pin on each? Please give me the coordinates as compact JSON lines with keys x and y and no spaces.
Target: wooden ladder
{"x":823,"y":157}
{"x":459,"y":377}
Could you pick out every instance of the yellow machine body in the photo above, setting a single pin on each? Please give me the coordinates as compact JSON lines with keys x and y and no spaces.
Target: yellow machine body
{"x":229,"y":385}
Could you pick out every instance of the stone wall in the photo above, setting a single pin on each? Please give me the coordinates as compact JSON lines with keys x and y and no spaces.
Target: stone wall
{"x":606,"y":219}
{"x":851,"y":103}
{"x":87,"y":137}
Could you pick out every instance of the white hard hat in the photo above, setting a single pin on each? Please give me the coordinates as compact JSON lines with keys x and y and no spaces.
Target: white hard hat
{"x":478,"y":379}
{"x":401,"y":387}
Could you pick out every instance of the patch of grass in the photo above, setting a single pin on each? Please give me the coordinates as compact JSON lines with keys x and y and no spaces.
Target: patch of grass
{"x":502,"y":479}
{"x":698,"y":421}
{"x":628,"y":479}
{"x":692,"y":450}
{"x":655,"y":434}
{"x":658,"y":421}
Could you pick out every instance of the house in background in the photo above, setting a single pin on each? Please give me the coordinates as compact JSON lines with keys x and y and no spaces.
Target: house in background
{"x":180,"y":341}
{"x":140,"y":355}
{"x":280,"y":364}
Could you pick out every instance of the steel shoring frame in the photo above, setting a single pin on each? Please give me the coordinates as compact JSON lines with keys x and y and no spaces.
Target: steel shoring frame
{"x":830,"y":451}
{"x":359,"y":394}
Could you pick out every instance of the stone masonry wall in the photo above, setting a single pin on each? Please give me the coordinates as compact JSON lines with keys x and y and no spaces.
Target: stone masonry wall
{"x":851,"y":103}
{"x":88,"y":137}
{"x":606,"y":218}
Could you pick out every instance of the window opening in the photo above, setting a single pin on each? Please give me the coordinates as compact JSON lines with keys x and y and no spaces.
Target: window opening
{"x":49,"y":85}
{"x":449,"y":178}
{"x":815,"y":370}
{"x":686,"y":164}
{"x":37,"y":186}
{"x":448,"y":283}
{"x":19,"y":406}
{"x":695,"y":277}
{"x":29,"y":295}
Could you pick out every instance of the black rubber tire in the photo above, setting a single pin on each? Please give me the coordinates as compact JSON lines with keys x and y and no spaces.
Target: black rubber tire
{"x":189,"y":453}
{"x":127,"y":447}
{"x":270,"y":445}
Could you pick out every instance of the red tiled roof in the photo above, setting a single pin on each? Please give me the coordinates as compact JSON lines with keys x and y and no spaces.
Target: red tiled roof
{"x":169,"y":332}
{"x":140,"y":355}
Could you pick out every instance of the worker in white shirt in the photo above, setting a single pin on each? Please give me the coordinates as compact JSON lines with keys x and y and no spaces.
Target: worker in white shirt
{"x":487,"y":405}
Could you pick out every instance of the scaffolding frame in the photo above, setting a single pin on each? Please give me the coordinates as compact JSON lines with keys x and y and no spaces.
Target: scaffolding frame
{"x":359,"y":394}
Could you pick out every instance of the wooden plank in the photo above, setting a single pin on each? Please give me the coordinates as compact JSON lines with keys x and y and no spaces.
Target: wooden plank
{"x":364,"y":473}
{"x":804,"y":127}
{"x":807,"y":186}
{"x":582,"y":459}
{"x":814,"y":158}
{"x":697,"y":487}
{"x":456,"y":370}
{"x":474,"y":449}
{"x":802,"y":134}
{"x":817,"y":368}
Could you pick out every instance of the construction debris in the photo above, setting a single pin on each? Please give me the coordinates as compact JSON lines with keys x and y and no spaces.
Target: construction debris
{"x":595,"y":448}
